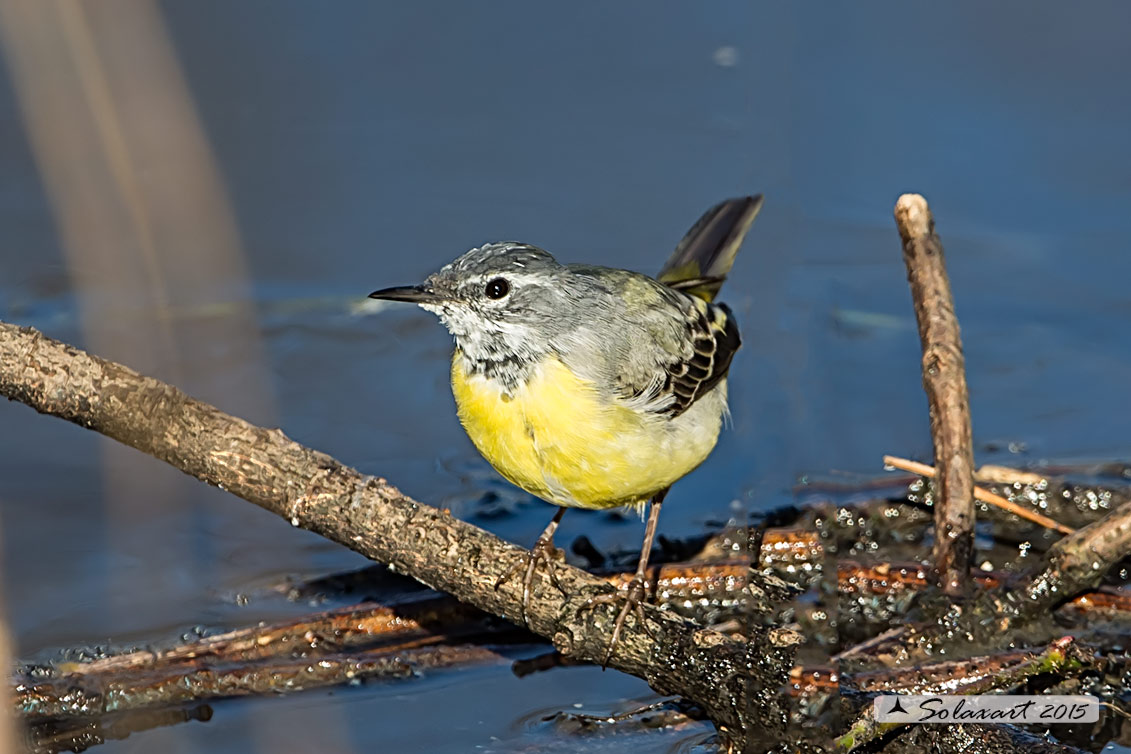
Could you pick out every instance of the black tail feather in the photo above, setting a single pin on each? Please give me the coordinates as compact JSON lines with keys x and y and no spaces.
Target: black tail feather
{"x":704,"y":257}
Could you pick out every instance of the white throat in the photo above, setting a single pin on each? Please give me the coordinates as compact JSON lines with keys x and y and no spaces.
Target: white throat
{"x":504,"y":351}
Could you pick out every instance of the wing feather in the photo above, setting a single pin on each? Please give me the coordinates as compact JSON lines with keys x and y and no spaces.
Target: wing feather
{"x":707,"y":344}
{"x":714,"y":339}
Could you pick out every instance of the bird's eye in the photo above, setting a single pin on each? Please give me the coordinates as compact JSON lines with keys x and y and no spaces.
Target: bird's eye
{"x":497,"y":288}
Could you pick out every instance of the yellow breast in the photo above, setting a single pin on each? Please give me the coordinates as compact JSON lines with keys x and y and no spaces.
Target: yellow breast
{"x":557,"y":438}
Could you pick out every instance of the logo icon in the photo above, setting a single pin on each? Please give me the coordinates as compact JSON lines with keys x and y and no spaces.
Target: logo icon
{"x":897,"y":708}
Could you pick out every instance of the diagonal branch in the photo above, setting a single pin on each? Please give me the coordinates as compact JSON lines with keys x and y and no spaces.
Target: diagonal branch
{"x":1079,"y":562}
{"x":729,"y":679}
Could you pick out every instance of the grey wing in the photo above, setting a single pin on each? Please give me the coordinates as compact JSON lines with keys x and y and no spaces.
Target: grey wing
{"x":687,"y":360}
{"x":714,"y":340}
{"x":660,"y":348}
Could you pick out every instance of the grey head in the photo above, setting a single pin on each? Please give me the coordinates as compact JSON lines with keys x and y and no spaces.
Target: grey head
{"x":504,"y":303}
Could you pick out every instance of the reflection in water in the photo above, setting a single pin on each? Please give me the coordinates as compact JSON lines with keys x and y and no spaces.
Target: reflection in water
{"x":73,"y":735}
{"x":145,"y":226}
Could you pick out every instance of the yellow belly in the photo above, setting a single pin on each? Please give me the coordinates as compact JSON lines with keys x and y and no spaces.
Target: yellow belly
{"x":555,"y":438}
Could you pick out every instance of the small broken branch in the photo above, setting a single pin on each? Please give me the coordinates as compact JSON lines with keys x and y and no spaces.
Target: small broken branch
{"x":944,"y":379}
{"x":1080,"y":561}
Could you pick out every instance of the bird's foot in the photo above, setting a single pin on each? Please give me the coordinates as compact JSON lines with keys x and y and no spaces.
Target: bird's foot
{"x":544,"y":552}
{"x":633,"y":593}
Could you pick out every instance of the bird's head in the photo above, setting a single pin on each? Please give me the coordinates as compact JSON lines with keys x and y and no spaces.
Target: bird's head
{"x":499,"y":301}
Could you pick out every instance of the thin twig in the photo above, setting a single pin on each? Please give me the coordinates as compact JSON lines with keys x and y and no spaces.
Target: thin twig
{"x":865,"y":646}
{"x":944,"y":379}
{"x":991,"y":473}
{"x":984,"y":495}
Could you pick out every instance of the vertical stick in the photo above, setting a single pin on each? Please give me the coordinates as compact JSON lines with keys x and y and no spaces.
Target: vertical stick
{"x":944,"y":379}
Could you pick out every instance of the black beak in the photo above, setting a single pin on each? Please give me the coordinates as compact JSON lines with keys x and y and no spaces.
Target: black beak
{"x":414,"y":294}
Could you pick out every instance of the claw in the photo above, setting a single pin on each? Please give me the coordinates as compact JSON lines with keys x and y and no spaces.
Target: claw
{"x":634,"y":591}
{"x":543,"y":551}
{"x":633,"y":595}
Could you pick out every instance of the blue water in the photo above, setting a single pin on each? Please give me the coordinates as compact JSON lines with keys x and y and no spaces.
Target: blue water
{"x":364,"y":144}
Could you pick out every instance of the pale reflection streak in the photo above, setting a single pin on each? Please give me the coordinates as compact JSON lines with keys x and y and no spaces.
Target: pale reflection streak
{"x":147,"y":231}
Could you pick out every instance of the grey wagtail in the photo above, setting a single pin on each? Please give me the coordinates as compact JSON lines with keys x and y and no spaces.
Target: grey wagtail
{"x":591,"y":387}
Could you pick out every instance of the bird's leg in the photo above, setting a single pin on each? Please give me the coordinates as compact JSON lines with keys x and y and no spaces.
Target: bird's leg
{"x":543,"y":550}
{"x":635,"y":589}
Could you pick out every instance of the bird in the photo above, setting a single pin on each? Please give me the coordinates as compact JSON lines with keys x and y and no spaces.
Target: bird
{"x":587,"y":386}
